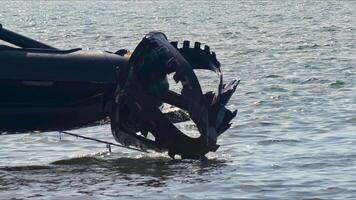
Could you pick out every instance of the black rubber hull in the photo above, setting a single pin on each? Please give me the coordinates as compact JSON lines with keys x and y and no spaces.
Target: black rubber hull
{"x":50,"y":90}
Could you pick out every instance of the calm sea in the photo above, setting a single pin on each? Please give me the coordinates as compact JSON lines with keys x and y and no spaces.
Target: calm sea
{"x":295,"y":133}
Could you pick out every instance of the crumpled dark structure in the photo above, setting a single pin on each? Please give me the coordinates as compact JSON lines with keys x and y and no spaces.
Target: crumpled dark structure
{"x":48,"y":89}
{"x":136,"y":112}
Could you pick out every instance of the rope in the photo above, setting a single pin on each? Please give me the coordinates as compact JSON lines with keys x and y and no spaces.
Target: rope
{"x":102,"y":141}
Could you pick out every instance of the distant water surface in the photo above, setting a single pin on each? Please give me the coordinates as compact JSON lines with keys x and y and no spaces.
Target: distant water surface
{"x":295,"y":133}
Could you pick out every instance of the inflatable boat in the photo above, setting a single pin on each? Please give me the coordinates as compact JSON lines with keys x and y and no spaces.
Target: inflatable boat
{"x":43,"y":88}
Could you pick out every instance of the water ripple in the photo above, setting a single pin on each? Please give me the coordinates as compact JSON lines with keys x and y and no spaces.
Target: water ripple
{"x":293,"y":138}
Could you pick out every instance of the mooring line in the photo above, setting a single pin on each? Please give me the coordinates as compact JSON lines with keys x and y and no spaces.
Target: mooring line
{"x":102,"y":141}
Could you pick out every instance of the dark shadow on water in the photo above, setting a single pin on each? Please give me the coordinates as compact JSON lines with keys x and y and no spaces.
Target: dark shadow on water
{"x":142,"y":171}
{"x":25,"y":168}
{"x":145,"y":165}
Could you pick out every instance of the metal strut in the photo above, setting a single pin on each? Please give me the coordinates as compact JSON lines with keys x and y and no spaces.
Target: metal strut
{"x":21,"y":41}
{"x":108,"y":144}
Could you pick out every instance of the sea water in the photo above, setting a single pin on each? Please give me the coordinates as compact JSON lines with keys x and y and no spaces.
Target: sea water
{"x":295,"y":133}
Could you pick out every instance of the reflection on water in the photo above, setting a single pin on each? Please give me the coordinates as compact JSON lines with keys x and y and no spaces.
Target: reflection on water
{"x":154,"y":170}
{"x":142,"y":171}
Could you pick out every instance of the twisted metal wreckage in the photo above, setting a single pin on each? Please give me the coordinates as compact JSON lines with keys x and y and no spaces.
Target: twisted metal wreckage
{"x":47,"y":89}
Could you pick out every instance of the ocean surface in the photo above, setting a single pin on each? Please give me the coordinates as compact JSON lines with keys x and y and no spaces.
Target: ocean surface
{"x":295,"y":133}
